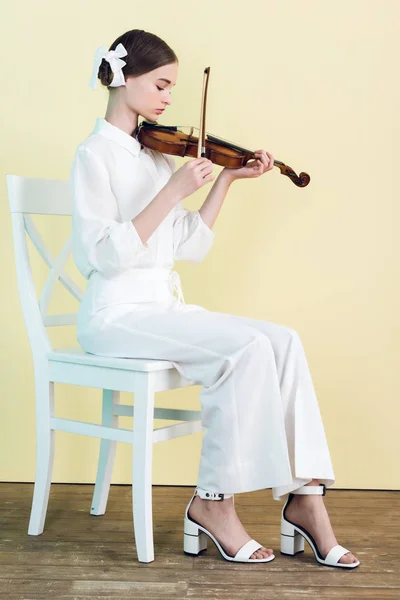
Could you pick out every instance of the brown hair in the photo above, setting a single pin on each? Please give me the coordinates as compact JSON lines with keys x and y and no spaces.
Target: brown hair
{"x":146,"y":52}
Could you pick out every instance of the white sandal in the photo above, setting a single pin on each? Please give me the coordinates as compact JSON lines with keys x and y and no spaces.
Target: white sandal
{"x":293,"y":536}
{"x":195,"y":535}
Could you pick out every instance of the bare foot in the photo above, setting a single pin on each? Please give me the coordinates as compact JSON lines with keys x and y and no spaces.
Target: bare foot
{"x":220,"y":518}
{"x":310,"y":512}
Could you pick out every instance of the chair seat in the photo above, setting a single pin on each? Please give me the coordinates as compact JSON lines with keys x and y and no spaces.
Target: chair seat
{"x":75,"y":354}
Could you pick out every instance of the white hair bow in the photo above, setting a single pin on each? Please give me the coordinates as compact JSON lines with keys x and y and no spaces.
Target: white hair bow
{"x":116,"y":64}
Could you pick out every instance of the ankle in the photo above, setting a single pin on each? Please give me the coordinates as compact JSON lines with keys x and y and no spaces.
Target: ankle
{"x":307,"y":503}
{"x":213,"y":505}
{"x":209,"y":495}
{"x":303,"y":496}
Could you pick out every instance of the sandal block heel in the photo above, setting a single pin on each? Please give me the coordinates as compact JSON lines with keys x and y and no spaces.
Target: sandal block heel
{"x":195,"y":535}
{"x":292,"y":542}
{"x":194,"y":540}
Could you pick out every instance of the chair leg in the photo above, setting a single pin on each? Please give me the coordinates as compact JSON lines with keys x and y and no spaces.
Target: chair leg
{"x":44,"y":390}
{"x":106,"y":455}
{"x":142,"y":467}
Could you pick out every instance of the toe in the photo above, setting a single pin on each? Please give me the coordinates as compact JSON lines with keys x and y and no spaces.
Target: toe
{"x":348,"y":558}
{"x":261,"y":553}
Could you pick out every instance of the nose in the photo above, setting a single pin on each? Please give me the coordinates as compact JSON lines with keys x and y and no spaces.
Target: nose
{"x":167,"y":98}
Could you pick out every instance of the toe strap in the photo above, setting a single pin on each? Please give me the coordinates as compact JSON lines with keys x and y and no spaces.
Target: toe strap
{"x":335,"y":554}
{"x":247,"y":550}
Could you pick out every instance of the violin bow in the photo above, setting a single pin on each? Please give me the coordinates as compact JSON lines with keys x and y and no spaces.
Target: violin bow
{"x":201,"y":148}
{"x":301,"y":180}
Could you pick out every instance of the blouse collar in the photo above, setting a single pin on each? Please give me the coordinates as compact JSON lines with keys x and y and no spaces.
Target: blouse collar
{"x":116,"y":134}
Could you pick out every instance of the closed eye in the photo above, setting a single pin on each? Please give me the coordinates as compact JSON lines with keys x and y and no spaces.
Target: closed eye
{"x":160,"y":89}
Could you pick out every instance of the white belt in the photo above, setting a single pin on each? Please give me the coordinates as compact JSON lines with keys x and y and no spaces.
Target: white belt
{"x":107,"y":291}
{"x":157,"y":274}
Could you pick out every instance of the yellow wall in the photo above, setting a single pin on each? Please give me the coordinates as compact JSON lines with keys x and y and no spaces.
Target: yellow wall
{"x":315,"y":83}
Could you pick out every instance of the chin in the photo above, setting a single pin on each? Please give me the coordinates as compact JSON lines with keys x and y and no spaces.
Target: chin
{"x":151,"y":117}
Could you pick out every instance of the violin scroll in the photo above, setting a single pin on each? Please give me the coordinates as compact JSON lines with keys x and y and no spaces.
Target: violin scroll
{"x":300,"y":180}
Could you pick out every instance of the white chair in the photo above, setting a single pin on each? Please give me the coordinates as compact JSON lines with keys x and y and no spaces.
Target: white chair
{"x":71,"y":365}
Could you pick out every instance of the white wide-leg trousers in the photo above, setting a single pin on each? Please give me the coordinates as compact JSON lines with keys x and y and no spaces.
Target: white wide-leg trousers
{"x":263,"y":426}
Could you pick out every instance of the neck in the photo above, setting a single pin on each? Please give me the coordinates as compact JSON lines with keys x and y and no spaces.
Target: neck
{"x":122,"y":117}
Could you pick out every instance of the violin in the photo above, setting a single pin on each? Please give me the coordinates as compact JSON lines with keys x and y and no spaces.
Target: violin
{"x":174,"y":141}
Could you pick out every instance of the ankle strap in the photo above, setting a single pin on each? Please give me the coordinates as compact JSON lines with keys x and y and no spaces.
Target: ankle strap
{"x":207,"y":495}
{"x":311,"y":489}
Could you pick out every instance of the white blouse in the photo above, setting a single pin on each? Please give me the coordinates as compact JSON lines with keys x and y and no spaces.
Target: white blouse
{"x":112,"y":179}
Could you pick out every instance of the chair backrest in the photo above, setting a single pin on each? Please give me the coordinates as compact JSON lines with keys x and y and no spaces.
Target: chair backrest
{"x":29,"y":196}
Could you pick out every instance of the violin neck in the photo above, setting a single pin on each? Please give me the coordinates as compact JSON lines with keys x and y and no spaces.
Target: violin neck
{"x":217,"y":140}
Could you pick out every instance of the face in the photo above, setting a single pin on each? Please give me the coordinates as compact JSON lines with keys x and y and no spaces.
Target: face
{"x":149,"y":93}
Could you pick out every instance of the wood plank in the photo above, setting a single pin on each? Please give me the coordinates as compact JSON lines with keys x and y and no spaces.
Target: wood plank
{"x":80,"y":556}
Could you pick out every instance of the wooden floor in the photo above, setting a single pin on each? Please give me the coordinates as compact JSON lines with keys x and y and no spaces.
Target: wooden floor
{"x":80,"y":556}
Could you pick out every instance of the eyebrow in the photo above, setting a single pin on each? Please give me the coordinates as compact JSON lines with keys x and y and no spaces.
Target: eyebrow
{"x":162,"y":79}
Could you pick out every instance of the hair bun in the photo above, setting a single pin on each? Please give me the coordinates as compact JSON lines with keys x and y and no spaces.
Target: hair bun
{"x":105,"y":73}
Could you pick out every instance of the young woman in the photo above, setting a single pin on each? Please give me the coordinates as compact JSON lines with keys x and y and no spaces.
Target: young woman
{"x":263,"y":426}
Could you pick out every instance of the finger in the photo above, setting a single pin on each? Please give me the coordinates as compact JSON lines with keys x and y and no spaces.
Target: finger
{"x":271,"y":161}
{"x":261,"y":161}
{"x":208,"y":177}
{"x":205,"y":165}
{"x":262,"y":155}
{"x":251,"y":164}
{"x":206,"y":171}
{"x":266,"y":159}
{"x":200,"y":161}
{"x":263,"y":152}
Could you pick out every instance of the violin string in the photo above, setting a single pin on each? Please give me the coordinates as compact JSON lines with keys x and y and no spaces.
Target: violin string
{"x":217,"y":138}
{"x":220,"y":139}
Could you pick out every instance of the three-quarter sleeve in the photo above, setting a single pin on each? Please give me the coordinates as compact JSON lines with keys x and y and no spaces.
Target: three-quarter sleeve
{"x":100,"y":241}
{"x":192,"y":237}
